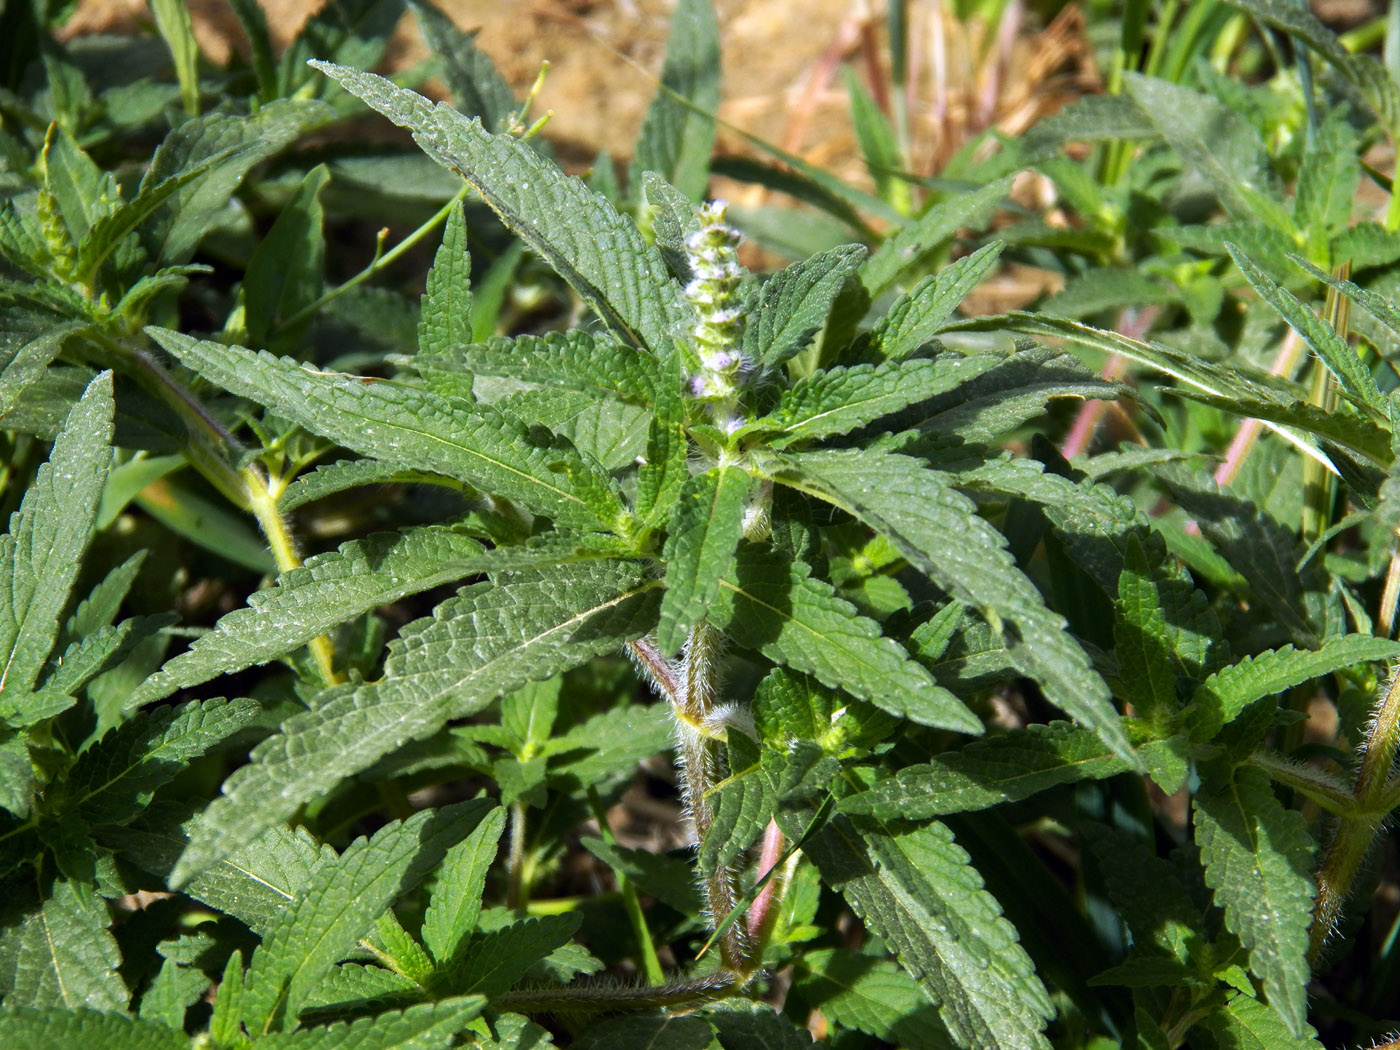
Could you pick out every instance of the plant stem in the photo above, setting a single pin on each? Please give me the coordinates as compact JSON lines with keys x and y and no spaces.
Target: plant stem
{"x":651,"y":965}
{"x":517,"y":893}
{"x":381,"y":259}
{"x":1355,"y":834}
{"x":599,"y":996}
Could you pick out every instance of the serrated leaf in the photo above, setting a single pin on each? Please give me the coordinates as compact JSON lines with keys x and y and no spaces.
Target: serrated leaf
{"x":600,"y":253}
{"x":446,"y":322}
{"x":744,"y":802}
{"x":489,"y":640}
{"x":773,"y":604}
{"x":871,"y":995}
{"x":477,"y":88}
{"x":286,"y":271}
{"x":747,"y":1025}
{"x":1150,"y":894}
{"x":33,"y":1027}
{"x":41,"y":555}
{"x":339,"y":906}
{"x":493,"y":961}
{"x":907,"y":247}
{"x":1340,"y":358}
{"x":427,"y":1026}
{"x":115,"y":779}
{"x":62,"y":954}
{"x":328,"y":589}
{"x":646,"y":1032}
{"x":1092,"y":118}
{"x":1258,"y":862}
{"x":705,"y":529}
{"x":1247,"y":1024}
{"x":940,"y":532}
{"x":678,"y":133}
{"x":794,"y":303}
{"x":1222,"y":696}
{"x":455,"y":901}
{"x":331,"y":478}
{"x":788,"y":706}
{"x":667,"y":877}
{"x":1341,"y":426}
{"x":406,"y":425}
{"x":915,"y":890}
{"x":1005,"y":768}
{"x":29,"y":362}
{"x":574,"y":360}
{"x":174,"y":989}
{"x":918,"y":315}
{"x":839,"y":400}
{"x":1142,"y":641}
{"x":663,"y":470}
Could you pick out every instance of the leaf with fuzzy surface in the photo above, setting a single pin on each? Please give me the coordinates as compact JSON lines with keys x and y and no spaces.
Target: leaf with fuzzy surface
{"x":870,"y":995}
{"x":1230,"y":690}
{"x":941,"y":534}
{"x":446,"y":318}
{"x":495,"y":960}
{"x":705,"y":529}
{"x":916,"y":891}
{"x":409,"y":426}
{"x":342,"y":475}
{"x":490,"y":639}
{"x":839,"y":400}
{"x":907,"y":247}
{"x":427,"y":1026}
{"x":678,"y":134}
{"x":340,"y":905}
{"x":1340,"y":426}
{"x":477,"y":88}
{"x":62,"y":954}
{"x":1340,"y":358}
{"x":307,"y":601}
{"x":773,"y":604}
{"x":455,"y":901}
{"x":663,"y":470}
{"x":574,"y":360}
{"x":794,"y":303}
{"x":1247,"y":1024}
{"x":1258,"y":859}
{"x":115,"y":779}
{"x":26,"y":1026}
{"x":600,"y":253}
{"x":922,"y":311}
{"x":984,"y":773}
{"x":41,"y":555}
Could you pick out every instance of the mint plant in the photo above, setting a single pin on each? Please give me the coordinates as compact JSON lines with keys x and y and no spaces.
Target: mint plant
{"x":971,"y":744}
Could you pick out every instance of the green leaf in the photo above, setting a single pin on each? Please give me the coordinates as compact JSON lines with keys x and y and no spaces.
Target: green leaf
{"x":340,"y":906}
{"x":1092,"y":118}
{"x":773,"y":604}
{"x":1222,"y":696}
{"x":1247,"y":1024}
{"x":1362,"y":71}
{"x":174,"y":25}
{"x":115,"y":779}
{"x":225,"y":147}
{"x":1340,"y":358}
{"x":29,"y":362}
{"x":575,"y":360}
{"x":839,"y":400}
{"x":62,"y":954}
{"x":41,"y":555}
{"x":1258,"y":861}
{"x":794,"y":304}
{"x":870,"y":995}
{"x":1328,"y":178}
{"x":940,"y":532}
{"x":741,"y":1024}
{"x":477,"y":88}
{"x":1342,"y":425}
{"x":920,"y":313}
{"x":663,"y":472}
{"x":25,"y":1026}
{"x":1005,"y":768}
{"x":286,"y":271}
{"x":1142,"y":642}
{"x":646,"y":1032}
{"x":600,"y":253}
{"x":678,"y":132}
{"x":1378,"y":306}
{"x":878,"y":146}
{"x":489,"y":640}
{"x":226,"y":1018}
{"x":103,"y":238}
{"x":915,"y":890}
{"x":491,"y":962}
{"x":427,"y":1026}
{"x":330,"y":478}
{"x":174,"y":989}
{"x":407,"y":425}
{"x":705,"y":529}
{"x":455,"y":901}
{"x":446,"y":323}
{"x":1217,"y":142}
{"x":328,"y":589}
{"x":908,"y":247}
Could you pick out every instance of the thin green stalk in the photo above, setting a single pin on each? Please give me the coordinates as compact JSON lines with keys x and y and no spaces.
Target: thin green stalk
{"x":381,"y":260}
{"x":602,"y":995}
{"x":1354,"y":835}
{"x":1114,"y":161}
{"x":646,"y":949}
{"x":1319,"y":485}
{"x":517,"y":892}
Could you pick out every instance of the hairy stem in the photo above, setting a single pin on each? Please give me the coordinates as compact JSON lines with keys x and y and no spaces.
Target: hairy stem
{"x":1354,"y":834}
{"x":606,"y":996}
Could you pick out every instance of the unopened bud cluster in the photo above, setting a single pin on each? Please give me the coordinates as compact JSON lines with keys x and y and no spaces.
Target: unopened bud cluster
{"x":714,"y":293}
